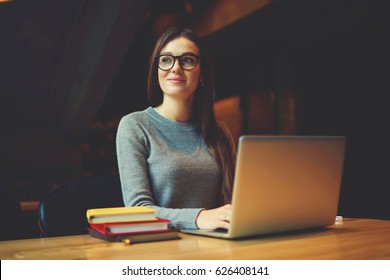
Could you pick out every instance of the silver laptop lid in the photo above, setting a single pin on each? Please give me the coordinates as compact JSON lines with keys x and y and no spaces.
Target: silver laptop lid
{"x":285,"y":183}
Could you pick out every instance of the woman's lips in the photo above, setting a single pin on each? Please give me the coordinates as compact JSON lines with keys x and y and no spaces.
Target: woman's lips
{"x":176,"y":80}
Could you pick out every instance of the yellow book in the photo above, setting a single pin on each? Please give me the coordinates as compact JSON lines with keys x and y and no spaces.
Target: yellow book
{"x":120,"y":214}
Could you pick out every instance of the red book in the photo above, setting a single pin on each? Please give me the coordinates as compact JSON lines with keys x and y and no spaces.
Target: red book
{"x":135,"y":237}
{"x":112,"y":229}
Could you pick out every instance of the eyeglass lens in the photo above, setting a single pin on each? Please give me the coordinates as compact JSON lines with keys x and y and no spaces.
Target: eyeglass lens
{"x":188,"y":62}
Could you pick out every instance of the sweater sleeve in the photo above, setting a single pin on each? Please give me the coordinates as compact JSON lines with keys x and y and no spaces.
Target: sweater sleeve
{"x":131,"y":155}
{"x":132,"y":152}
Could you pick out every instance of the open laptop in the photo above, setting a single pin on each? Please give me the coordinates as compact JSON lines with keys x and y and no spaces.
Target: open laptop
{"x":284,"y":183}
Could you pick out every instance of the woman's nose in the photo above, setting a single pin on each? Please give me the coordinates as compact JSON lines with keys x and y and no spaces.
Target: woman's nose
{"x":176,"y":66}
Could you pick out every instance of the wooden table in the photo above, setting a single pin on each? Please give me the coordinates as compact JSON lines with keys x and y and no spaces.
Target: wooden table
{"x":353,"y":239}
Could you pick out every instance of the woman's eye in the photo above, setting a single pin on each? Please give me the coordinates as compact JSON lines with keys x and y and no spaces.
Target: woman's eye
{"x":166,"y":59}
{"x":188,"y":59}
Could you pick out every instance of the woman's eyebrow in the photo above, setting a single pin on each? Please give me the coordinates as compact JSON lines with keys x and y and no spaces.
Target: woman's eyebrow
{"x":185,"y":53}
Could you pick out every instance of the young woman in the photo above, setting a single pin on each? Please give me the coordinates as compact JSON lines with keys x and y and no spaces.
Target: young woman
{"x":175,"y":156}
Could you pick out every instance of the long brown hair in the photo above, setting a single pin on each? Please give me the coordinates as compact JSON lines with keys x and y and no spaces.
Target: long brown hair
{"x":220,"y":146}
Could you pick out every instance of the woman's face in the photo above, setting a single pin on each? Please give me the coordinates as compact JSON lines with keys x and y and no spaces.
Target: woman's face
{"x":177,"y":82}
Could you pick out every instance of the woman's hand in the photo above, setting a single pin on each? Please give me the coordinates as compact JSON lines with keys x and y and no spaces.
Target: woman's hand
{"x":215,"y":218}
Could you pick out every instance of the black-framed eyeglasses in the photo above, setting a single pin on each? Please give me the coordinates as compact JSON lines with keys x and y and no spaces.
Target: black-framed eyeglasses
{"x":186,"y":61}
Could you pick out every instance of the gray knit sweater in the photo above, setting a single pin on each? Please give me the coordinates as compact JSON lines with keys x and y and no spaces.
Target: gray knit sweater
{"x":166,"y":165}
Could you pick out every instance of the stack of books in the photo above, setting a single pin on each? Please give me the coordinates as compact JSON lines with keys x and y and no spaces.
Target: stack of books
{"x":128,"y":224}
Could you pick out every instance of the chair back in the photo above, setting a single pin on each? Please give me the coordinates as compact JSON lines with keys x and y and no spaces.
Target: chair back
{"x":63,"y":210}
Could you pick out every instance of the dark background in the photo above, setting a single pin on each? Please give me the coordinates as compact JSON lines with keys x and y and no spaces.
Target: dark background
{"x":70,"y":69}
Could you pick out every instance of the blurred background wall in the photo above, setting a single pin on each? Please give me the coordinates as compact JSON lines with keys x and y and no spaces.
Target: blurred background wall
{"x":69,"y":70}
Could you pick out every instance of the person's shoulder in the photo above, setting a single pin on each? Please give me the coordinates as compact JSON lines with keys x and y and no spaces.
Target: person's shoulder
{"x":134,"y":120}
{"x":134,"y":124}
